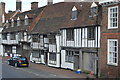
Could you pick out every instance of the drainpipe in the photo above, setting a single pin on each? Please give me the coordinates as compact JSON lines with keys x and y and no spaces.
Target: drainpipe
{"x":97,"y":62}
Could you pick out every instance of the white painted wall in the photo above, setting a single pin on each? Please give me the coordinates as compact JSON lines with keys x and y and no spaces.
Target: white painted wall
{"x":80,"y":38}
{"x":58,"y":43}
{"x":42,"y":59}
{"x":63,"y":63}
{"x":1,"y":46}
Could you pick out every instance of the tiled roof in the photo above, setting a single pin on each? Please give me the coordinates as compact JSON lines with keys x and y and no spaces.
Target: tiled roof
{"x":32,"y":14}
{"x":58,"y":16}
{"x":52,"y":18}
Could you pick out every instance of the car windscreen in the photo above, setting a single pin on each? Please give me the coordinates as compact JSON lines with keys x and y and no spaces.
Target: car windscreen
{"x":22,"y":58}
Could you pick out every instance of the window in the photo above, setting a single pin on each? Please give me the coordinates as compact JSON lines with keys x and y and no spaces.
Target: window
{"x":52,"y":39}
{"x":35,"y":53}
{"x":91,"y":33}
{"x":52,"y":58}
{"x":13,"y":36}
{"x":18,"y":21}
{"x":26,"y":20}
{"x":20,"y":36}
{"x":70,"y":34}
{"x":94,"y":11}
{"x":113,"y":52}
{"x":4,"y":36}
{"x":35,"y":38}
{"x":69,"y":56}
{"x":12,"y":23}
{"x":113,"y":17}
{"x":74,"y":13}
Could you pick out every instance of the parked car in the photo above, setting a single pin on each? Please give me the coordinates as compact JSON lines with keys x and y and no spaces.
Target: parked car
{"x":18,"y":61}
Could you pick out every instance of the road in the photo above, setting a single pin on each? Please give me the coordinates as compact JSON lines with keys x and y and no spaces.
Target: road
{"x":24,"y":72}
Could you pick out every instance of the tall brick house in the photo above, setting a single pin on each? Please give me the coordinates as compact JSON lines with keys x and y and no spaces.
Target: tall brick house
{"x":110,"y":40}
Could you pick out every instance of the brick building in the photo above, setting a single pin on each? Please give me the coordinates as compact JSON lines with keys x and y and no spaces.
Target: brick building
{"x":110,"y":40}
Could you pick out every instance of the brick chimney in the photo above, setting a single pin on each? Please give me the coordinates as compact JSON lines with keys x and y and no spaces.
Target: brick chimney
{"x":2,"y":11}
{"x":19,"y":5}
{"x":34,"y":5}
{"x":3,"y":7}
{"x":49,"y":2}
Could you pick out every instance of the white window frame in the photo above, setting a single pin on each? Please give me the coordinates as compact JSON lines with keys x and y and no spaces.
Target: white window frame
{"x":108,"y":56}
{"x":52,"y":60}
{"x":69,"y":56}
{"x":109,"y":21}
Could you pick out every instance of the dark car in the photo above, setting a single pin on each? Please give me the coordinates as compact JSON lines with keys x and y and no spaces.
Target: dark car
{"x":18,"y":61}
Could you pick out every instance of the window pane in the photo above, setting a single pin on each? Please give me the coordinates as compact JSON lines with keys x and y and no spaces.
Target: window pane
{"x":113,"y":52}
{"x":113,"y":17}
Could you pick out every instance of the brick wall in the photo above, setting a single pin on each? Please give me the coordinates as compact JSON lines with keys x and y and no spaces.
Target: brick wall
{"x":107,"y":70}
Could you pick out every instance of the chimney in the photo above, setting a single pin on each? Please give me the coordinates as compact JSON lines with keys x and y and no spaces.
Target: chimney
{"x":19,"y":5}
{"x":3,"y":7}
{"x":34,"y":5}
{"x":49,"y":2}
{"x":2,"y":11}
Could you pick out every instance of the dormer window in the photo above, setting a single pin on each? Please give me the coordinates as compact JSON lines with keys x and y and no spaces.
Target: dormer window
{"x":12,"y":23}
{"x":94,"y":9}
{"x":74,"y":13}
{"x":7,"y":24}
{"x":26,"y":20}
{"x":18,"y":21}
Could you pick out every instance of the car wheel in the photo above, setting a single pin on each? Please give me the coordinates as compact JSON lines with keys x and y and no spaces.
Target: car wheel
{"x":8,"y":63}
{"x":16,"y":65}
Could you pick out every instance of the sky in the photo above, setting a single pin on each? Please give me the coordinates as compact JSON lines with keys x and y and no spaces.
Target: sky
{"x":26,"y":4}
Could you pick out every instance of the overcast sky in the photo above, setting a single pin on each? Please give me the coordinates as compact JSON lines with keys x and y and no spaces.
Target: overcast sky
{"x":26,"y":4}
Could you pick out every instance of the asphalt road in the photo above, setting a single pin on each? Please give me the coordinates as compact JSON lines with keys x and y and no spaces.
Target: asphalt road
{"x":24,"y":72}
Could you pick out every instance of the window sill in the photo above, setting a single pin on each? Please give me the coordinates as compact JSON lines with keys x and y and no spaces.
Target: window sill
{"x":110,"y":64}
{"x":52,"y":63}
{"x":73,"y":19}
{"x":68,"y":62}
{"x":91,"y":39}
{"x":112,"y":27}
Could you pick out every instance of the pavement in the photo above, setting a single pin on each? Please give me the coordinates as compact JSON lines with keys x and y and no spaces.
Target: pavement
{"x":59,"y":71}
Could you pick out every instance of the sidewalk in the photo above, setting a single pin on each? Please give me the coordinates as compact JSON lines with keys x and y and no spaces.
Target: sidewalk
{"x":62,"y":72}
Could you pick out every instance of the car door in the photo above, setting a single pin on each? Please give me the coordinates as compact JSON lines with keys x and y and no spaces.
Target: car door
{"x":14,"y":60}
{"x":10,"y":61}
